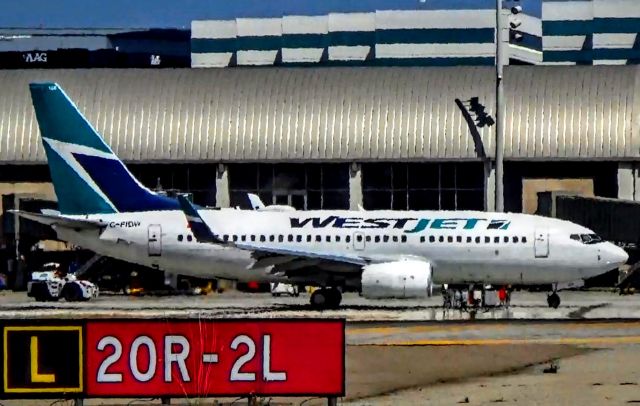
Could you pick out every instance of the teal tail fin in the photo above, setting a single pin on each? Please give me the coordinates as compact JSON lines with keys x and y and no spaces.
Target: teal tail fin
{"x":87,"y":176}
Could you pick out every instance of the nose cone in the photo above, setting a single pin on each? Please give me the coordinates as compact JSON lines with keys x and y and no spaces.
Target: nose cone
{"x":615,"y":255}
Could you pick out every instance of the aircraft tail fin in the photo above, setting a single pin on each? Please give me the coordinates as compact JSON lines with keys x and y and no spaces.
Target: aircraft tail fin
{"x":87,"y":176}
{"x":256,"y":202}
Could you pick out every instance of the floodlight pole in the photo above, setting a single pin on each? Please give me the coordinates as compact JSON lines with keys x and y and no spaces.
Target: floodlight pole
{"x":499,"y":170}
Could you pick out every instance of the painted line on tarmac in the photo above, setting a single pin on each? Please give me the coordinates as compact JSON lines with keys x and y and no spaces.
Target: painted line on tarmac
{"x":494,"y":326}
{"x":498,"y":341}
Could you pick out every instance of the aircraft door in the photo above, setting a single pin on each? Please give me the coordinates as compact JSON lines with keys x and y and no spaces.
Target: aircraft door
{"x":358,"y":241}
{"x":155,"y":240}
{"x":541,"y":244}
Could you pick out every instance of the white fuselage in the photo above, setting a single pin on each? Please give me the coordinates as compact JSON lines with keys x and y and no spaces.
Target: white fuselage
{"x":461,"y":246}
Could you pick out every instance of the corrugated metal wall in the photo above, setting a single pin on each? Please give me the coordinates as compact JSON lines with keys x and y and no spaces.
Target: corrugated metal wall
{"x":334,"y":114}
{"x":257,"y":115}
{"x":577,"y":112}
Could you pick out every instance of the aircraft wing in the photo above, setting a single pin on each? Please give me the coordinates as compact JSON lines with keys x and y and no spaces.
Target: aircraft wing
{"x":203,"y":233}
{"x":52,"y":219}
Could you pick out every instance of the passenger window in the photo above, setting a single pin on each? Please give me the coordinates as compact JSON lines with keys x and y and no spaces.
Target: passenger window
{"x":262,"y":238}
{"x":368,"y":238}
{"x":280,"y":238}
{"x":180,"y":237}
{"x":359,"y":238}
{"x":376,"y":238}
{"x":469,"y":239}
{"x":189,"y":237}
{"x":298,"y":238}
{"x":290,"y":238}
{"x":496,"y":240}
{"x":253,"y":238}
{"x":385,"y":238}
{"x":422,"y":239}
{"x":318,"y":238}
{"x":235,"y":238}
{"x":243,"y":238}
{"x":347,"y":238}
{"x":450,"y":239}
{"x":337,"y":238}
{"x":459,"y":239}
{"x":515,"y":239}
{"x":395,"y":238}
{"x":524,"y":240}
{"x":506,"y":239}
{"x":225,"y":238}
{"x":477,"y":240}
{"x":403,"y":238}
{"x":309,"y":238}
{"x":487,"y":240}
{"x":441,"y":239}
{"x":272,"y":238}
{"x":328,"y":238}
{"x":432,"y":238}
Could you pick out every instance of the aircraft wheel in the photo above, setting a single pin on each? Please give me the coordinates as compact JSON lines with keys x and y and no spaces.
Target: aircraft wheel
{"x":335,"y":297}
{"x":319,"y":299}
{"x":553,"y":300}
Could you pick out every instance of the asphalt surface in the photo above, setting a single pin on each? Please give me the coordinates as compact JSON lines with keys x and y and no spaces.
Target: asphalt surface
{"x":583,"y":318}
{"x":575,"y":305}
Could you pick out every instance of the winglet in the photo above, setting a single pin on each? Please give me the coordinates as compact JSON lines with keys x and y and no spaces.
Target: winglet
{"x":200,"y":229}
{"x":256,"y":202}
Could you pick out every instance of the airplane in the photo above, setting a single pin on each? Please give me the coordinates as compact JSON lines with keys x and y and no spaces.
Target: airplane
{"x":399,"y":254}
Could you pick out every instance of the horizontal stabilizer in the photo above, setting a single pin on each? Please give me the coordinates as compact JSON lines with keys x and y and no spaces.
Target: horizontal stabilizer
{"x":60,"y":221}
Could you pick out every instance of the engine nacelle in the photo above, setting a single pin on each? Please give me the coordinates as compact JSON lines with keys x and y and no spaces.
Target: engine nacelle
{"x":400,"y":279}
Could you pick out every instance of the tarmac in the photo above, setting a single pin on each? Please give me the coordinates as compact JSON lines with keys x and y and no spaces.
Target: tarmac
{"x":576,"y":305}
{"x":413,"y":352}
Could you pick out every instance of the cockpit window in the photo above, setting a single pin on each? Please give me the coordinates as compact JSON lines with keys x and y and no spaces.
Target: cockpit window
{"x":586,"y":238}
{"x":590,"y":238}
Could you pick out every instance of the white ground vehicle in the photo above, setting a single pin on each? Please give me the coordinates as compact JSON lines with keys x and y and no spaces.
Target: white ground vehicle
{"x":279,"y":289}
{"x":50,"y":285}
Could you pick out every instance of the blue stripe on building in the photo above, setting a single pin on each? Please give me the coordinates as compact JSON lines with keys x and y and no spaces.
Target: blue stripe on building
{"x":616,"y":53}
{"x":206,"y":45}
{"x":616,"y":25}
{"x":597,"y":25}
{"x":565,"y":28}
{"x":352,"y":38}
{"x":436,"y":36}
{"x":305,"y":40}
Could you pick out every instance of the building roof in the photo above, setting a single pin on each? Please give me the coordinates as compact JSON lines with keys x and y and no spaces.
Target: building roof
{"x":334,"y":114}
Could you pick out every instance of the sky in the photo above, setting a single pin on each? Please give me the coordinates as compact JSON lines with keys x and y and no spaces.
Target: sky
{"x":53,"y":14}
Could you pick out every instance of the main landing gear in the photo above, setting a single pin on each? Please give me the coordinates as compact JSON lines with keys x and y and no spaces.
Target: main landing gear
{"x":326,"y":298}
{"x":553,"y":300}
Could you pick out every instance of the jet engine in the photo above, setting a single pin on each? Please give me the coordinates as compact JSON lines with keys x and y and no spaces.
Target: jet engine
{"x":399,"y":279}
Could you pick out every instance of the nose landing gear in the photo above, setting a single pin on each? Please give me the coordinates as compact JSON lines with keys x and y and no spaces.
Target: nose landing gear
{"x":553,"y":300}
